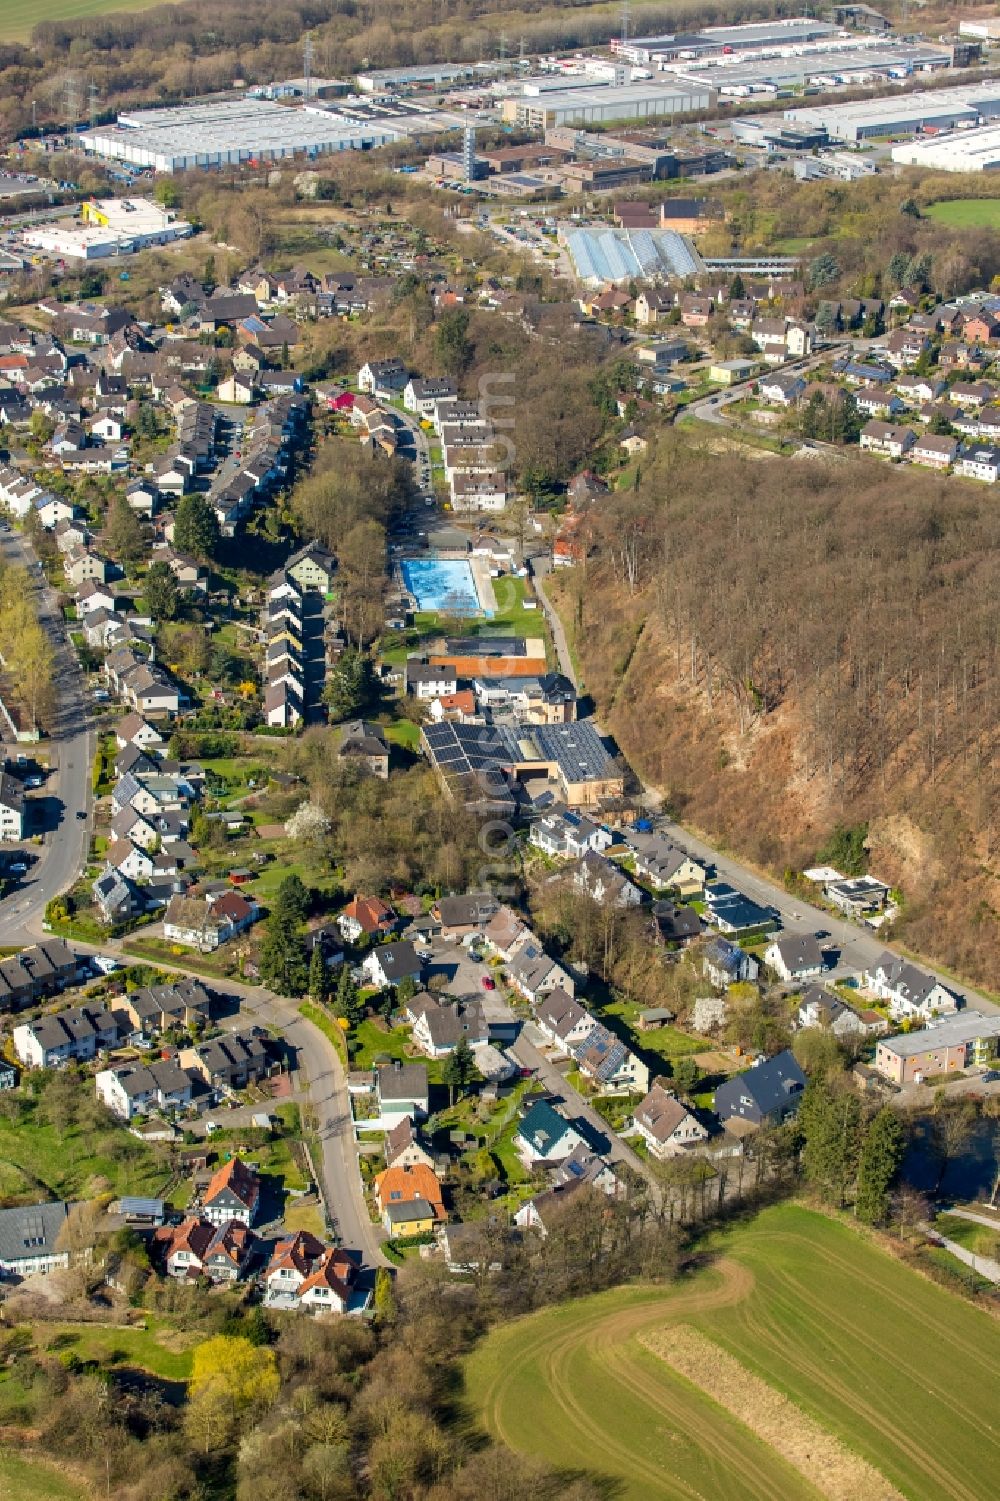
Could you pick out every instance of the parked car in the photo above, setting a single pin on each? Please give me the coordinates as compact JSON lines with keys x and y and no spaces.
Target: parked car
{"x":489,"y":983}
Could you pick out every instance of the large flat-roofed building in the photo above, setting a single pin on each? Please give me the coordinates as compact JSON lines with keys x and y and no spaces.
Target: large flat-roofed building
{"x":109,"y":226}
{"x":842,"y":64}
{"x":904,"y":114}
{"x":959,"y":151}
{"x":607,"y":102}
{"x":944,"y":1047}
{"x":420,"y":76}
{"x":716,"y":40}
{"x":230,"y":131}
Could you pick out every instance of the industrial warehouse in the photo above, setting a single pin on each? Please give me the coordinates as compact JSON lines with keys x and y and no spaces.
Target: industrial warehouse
{"x":606,"y":103}
{"x":958,"y":151}
{"x":904,"y":115}
{"x":227,"y":132}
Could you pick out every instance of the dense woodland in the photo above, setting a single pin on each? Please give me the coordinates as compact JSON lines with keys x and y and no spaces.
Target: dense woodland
{"x":786,"y":647}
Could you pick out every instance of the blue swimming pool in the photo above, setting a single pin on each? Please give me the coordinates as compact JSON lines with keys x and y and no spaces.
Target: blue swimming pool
{"x":445,"y":585}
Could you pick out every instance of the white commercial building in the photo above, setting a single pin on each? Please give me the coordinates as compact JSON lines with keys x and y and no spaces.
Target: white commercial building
{"x":959,"y":151}
{"x":108,"y":226}
{"x":594,"y":106}
{"x":903,"y":114}
{"x":230,"y":131}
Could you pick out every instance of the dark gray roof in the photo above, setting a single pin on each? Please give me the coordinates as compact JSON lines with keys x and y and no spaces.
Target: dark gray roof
{"x":770,"y":1087}
{"x":30,"y":1230}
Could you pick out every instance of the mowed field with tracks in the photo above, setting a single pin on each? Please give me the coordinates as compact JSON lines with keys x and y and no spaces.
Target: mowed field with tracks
{"x":16,"y":21}
{"x":900,"y":1375}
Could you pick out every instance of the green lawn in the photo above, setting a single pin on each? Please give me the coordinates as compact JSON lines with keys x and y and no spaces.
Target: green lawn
{"x":159,"y":1349}
{"x":327,"y":1024}
{"x":966,"y":213}
{"x":404,"y":733}
{"x":983,"y":1240}
{"x":32,"y":1480}
{"x":669,"y":1042}
{"x":368,"y":1041}
{"x":38,"y":1159}
{"x":16,"y":25}
{"x":901,"y":1371}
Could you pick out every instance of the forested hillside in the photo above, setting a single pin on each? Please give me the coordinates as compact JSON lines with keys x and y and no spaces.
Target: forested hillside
{"x":788,"y":647}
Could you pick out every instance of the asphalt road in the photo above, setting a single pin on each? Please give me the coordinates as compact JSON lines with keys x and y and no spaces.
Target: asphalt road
{"x":66,"y":794}
{"x":321,"y":1070}
{"x":576,"y":1107}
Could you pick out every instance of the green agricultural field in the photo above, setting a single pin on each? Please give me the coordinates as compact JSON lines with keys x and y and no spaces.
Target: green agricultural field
{"x":899,"y":1375}
{"x":967,"y":213}
{"x":17,"y":23}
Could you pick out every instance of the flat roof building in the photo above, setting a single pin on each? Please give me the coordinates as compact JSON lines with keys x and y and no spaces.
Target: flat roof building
{"x":607,"y":102}
{"x":422,"y":75}
{"x":903,"y":114}
{"x":958,"y":151}
{"x":959,"y":1042}
{"x":227,"y":132}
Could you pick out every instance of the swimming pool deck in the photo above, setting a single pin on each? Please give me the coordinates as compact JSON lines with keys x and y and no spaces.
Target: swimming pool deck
{"x":484,"y":585}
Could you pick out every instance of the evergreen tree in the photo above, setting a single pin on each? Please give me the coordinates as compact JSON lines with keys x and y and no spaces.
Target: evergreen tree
{"x":830,"y":1122}
{"x":319,"y":987}
{"x":124,"y":531}
{"x":385,"y":1297}
{"x":459,"y":1068}
{"x":291,"y":901}
{"x":283,"y":965}
{"x":348,"y":685}
{"x":349,"y":1002}
{"x":881,"y":1155}
{"x":196,"y":526}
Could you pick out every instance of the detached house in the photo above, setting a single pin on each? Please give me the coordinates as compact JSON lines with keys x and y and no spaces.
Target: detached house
{"x":885,"y":439}
{"x":368,"y":916}
{"x":409,"y":1199}
{"x":667,"y":1128}
{"x":765,"y":1095}
{"x":796,"y":957}
{"x":934,"y":451}
{"x":911,"y":993}
{"x":563,"y":1021}
{"x":391,"y":964}
{"x":545,"y":1138}
{"x":232,"y":1194}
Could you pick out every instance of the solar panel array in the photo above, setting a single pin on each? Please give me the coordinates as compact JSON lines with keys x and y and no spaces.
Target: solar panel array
{"x":458,"y":749}
{"x":616,"y":255}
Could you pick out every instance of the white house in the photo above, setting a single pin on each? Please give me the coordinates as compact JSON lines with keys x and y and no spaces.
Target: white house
{"x":909,"y":992}
{"x":563,"y":1022}
{"x":795,"y":957}
{"x":391,"y":963}
{"x":29,"y":1239}
{"x":134,"y":1090}
{"x":667,"y":1128}
{"x":545,"y":1138}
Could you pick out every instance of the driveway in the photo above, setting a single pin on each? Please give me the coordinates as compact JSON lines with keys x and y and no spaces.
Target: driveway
{"x":602,"y":1138}
{"x":56,"y":810}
